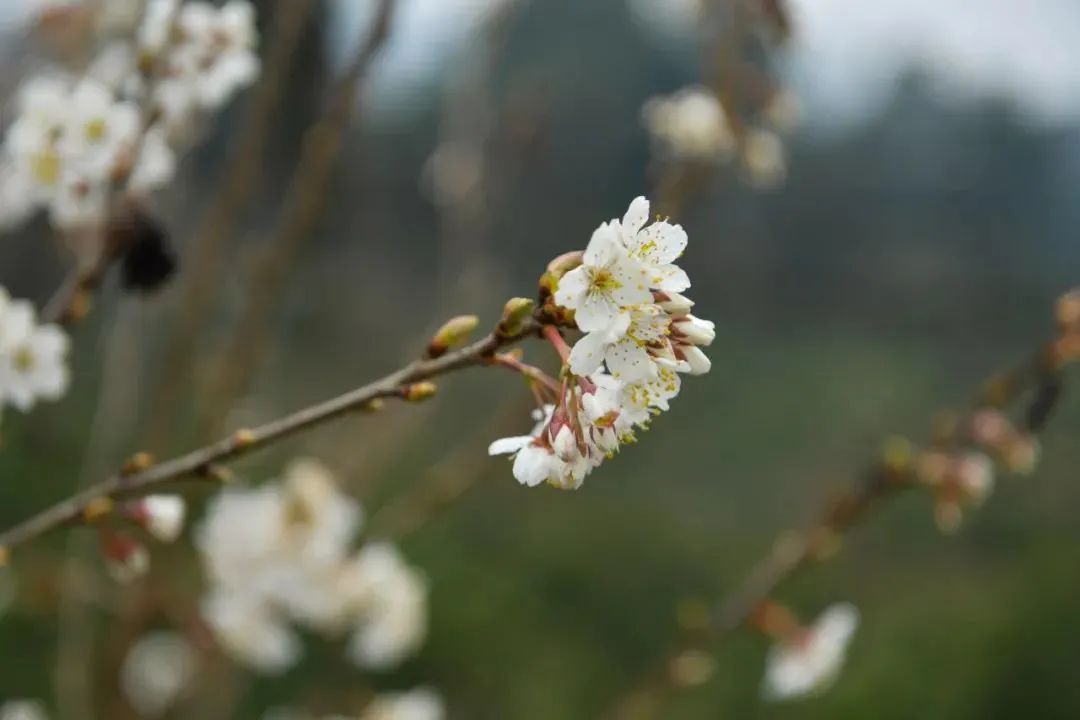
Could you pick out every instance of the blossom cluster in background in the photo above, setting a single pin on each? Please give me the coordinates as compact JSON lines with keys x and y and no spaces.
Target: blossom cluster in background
{"x":639,"y":335}
{"x":282,"y":553}
{"x":33,"y":356}
{"x":75,"y":140}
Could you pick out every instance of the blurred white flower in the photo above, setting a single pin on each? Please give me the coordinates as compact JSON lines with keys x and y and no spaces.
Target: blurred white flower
{"x":76,"y":140}
{"x":690,"y":124}
{"x":32,"y":356}
{"x":23,"y":710}
{"x":393,"y":607}
{"x":280,"y":554}
{"x":810,"y":659}
{"x":416,"y":704}
{"x":157,"y":669}
{"x":252,"y":631}
{"x":764,"y":158}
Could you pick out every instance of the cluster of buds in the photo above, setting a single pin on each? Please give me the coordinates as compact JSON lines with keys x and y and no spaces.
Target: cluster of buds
{"x":744,"y":119}
{"x":804,"y":659}
{"x":958,"y":480}
{"x":963,"y":478}
{"x":624,"y":294}
{"x":75,"y":141}
{"x":126,"y":557}
{"x":32,"y":356}
{"x":282,"y":553}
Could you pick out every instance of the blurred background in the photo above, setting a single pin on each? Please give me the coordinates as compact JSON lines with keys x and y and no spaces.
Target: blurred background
{"x":926,"y":225}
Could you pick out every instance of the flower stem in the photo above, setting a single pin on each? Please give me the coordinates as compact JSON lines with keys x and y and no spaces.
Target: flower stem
{"x":556,"y":339}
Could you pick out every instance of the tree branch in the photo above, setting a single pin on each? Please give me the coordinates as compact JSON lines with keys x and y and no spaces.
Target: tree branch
{"x":1040,"y":377}
{"x":201,"y":462}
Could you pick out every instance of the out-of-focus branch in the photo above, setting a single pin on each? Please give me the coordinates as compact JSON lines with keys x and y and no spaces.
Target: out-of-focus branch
{"x":305,"y":200}
{"x":205,"y":266}
{"x":405,"y":383}
{"x":1039,"y":378}
{"x":113,"y":417}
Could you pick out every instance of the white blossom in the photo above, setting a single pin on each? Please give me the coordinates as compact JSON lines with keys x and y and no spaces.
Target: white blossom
{"x":606,"y":283}
{"x":690,"y":124}
{"x":764,"y":158}
{"x":75,"y":141}
{"x":23,"y":710}
{"x":393,"y":605}
{"x":157,"y":669}
{"x":811,"y":659}
{"x":638,"y":336}
{"x":163,"y":516}
{"x":416,"y":704}
{"x":281,"y":554}
{"x":32,"y":356}
{"x":251,"y":630}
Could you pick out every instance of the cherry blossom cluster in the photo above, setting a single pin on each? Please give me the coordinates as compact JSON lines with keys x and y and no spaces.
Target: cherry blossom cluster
{"x":639,"y":337}
{"x":282,"y":553}
{"x":75,"y":141}
{"x":33,"y":356}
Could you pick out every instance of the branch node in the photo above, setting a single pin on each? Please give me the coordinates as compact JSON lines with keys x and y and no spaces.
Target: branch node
{"x":418,"y":392}
{"x":97,"y":508}
{"x":243,"y":438}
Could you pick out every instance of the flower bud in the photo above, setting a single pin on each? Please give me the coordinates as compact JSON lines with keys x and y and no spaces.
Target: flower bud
{"x":558,"y":267}
{"x":699,"y":362}
{"x":125,"y":557}
{"x":691,"y":668}
{"x":515,"y":312}
{"x":974,"y":474}
{"x":696,"y":330}
{"x":673,"y":303}
{"x":161,"y":515}
{"x":454,"y":332}
{"x":418,"y":392}
{"x":1021,"y":454}
{"x":1068,"y":311}
{"x":97,"y":508}
{"x":990,"y":428}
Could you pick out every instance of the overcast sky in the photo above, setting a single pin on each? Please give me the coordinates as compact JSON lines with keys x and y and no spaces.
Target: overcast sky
{"x":846,"y":58}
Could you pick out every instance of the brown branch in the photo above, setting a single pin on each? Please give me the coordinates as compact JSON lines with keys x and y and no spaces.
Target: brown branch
{"x":203,"y":461}
{"x":304,"y":202}
{"x":205,"y":266}
{"x":1040,"y":377}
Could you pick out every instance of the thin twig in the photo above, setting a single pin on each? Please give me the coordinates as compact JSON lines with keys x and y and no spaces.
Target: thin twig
{"x":306,"y":198}
{"x":203,"y":259}
{"x":1040,"y":377}
{"x":201,"y":462}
